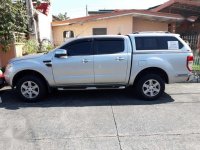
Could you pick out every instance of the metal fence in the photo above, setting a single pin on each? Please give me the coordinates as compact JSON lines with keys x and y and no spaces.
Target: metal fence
{"x":192,"y":39}
{"x":196,"y":63}
{"x":196,"y":69}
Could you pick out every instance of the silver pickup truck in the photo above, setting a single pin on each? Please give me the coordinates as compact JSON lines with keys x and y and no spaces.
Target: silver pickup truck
{"x":143,"y":60}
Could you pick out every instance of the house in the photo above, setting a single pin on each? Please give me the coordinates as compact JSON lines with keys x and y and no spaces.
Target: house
{"x":177,"y":16}
{"x":115,"y":22}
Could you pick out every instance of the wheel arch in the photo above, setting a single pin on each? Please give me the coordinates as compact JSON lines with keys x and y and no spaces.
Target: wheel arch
{"x":152,"y":70}
{"x":26,"y":73}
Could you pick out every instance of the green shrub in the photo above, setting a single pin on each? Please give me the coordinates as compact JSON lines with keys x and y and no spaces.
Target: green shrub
{"x":13,"y":18}
{"x":49,"y":47}
{"x":46,"y":47}
{"x":30,"y":47}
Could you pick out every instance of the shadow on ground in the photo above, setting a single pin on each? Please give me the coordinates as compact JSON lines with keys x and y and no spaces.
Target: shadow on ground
{"x":80,"y":99}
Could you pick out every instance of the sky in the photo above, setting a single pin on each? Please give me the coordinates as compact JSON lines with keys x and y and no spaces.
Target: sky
{"x":77,"y":8}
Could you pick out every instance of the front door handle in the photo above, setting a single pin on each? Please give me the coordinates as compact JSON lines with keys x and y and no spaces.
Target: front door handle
{"x":85,"y":61}
{"x":119,"y":59}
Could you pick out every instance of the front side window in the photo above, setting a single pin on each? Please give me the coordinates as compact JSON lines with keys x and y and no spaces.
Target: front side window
{"x":79,"y":47}
{"x":157,"y":43}
{"x":108,"y":46}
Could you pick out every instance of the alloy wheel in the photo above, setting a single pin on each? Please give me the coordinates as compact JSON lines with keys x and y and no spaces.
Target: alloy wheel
{"x":151,"y":88}
{"x":30,"y":89}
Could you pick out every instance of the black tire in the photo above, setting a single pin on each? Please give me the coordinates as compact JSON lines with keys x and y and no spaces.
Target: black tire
{"x":154,"y":90}
{"x":40,"y":85}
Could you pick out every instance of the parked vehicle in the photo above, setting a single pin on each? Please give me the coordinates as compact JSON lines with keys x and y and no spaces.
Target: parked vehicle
{"x":2,"y":80}
{"x":143,"y":60}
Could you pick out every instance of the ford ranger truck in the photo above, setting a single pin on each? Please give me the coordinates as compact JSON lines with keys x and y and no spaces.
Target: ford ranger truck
{"x":145,"y":60}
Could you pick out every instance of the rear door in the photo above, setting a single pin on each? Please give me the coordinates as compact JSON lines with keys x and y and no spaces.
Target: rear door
{"x":110,"y":60}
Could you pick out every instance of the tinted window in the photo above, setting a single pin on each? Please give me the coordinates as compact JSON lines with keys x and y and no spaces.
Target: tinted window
{"x":79,"y":47}
{"x":155,"y":43}
{"x":109,"y":46}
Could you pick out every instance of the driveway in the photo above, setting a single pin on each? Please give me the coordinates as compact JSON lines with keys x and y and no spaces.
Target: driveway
{"x":102,"y":120}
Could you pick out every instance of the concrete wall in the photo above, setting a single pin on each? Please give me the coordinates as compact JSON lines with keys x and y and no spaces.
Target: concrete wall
{"x":6,"y":56}
{"x":114,"y":26}
{"x":147,"y":25}
{"x":44,"y":25}
{"x":14,"y":51}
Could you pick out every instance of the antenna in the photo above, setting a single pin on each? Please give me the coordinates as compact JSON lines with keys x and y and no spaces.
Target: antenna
{"x":86,"y":9}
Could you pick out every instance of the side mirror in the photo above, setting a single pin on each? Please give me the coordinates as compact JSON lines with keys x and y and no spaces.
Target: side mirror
{"x":60,"y":53}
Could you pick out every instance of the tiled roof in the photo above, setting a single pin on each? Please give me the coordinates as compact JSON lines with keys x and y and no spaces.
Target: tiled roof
{"x":171,"y":2}
{"x":118,"y":13}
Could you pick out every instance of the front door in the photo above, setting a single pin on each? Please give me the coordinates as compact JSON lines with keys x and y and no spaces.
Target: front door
{"x":77,"y":67}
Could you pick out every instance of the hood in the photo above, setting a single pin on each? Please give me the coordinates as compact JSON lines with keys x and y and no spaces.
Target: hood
{"x":32,"y":56}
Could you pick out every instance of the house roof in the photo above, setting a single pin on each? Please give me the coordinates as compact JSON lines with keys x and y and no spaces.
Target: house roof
{"x":145,"y":14}
{"x":183,"y":7}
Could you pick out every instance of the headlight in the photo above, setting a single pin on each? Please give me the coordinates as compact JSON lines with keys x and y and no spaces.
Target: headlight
{"x":9,"y":66}
{"x":1,"y":73}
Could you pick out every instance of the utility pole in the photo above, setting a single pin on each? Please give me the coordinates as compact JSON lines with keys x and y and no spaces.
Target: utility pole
{"x":86,"y":8}
{"x":32,"y":22}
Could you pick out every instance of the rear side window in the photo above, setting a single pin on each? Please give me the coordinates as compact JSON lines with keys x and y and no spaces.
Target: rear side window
{"x":108,"y":46}
{"x":157,"y":43}
{"x":79,"y":47}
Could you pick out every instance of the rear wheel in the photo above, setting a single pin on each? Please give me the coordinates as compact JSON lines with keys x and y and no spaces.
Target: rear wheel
{"x":31,"y":89}
{"x":150,"y":86}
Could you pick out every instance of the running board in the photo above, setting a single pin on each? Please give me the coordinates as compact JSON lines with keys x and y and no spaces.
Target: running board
{"x":91,"y":88}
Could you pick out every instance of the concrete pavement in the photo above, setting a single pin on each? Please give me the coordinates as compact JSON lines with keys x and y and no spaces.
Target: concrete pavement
{"x":103,"y":120}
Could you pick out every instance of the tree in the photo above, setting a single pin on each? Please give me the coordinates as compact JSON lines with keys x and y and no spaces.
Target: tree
{"x":13,"y":18}
{"x":62,"y":16}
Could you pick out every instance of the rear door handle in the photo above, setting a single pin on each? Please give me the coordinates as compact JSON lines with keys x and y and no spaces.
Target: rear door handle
{"x":85,"y":61}
{"x":119,"y":59}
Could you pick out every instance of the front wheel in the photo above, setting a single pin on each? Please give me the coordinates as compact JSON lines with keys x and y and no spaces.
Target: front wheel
{"x":31,"y":89}
{"x":150,"y":87}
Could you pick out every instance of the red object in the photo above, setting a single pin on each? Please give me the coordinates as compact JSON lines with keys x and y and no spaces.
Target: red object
{"x":190,"y":62}
{"x":1,"y":75}
{"x":2,"y":80}
{"x":43,"y":7}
